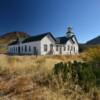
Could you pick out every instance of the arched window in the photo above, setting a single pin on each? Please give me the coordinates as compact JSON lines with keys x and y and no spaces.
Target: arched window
{"x":19,"y":49}
{"x":71,"y":48}
{"x":57,"y":47}
{"x":74,"y":49}
{"x":64,"y":48}
{"x":35,"y":51}
{"x":22,"y":48}
{"x":14,"y":49}
{"x":68,"y":47}
{"x":45,"y":47}
{"x":25,"y":48}
{"x":51,"y":46}
{"x":11,"y":49}
{"x":29,"y":48}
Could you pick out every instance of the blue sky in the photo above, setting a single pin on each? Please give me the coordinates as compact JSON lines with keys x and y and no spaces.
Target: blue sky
{"x":39,"y":16}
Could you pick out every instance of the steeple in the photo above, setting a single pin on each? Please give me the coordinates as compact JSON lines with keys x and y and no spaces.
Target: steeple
{"x":69,"y":32}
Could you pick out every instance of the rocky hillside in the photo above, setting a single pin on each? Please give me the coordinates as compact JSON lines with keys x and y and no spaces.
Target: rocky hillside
{"x":90,"y":44}
{"x":9,"y":37}
{"x":94,"y":41}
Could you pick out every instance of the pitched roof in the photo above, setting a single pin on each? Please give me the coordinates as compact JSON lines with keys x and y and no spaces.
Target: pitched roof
{"x":58,"y":40}
{"x":63,"y":40}
{"x":14,"y":42}
{"x":37,"y":37}
{"x":33,"y":38}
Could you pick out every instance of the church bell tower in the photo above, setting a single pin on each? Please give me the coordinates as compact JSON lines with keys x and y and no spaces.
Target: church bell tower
{"x":69,"y":32}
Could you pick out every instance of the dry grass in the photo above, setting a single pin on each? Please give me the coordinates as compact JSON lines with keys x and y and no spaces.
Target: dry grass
{"x":92,"y":55}
{"x":26,"y":78}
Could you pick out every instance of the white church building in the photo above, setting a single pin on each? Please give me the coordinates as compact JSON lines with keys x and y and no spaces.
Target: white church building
{"x":46,"y":44}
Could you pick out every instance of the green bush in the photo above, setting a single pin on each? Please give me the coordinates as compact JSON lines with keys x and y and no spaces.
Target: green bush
{"x":77,"y":72}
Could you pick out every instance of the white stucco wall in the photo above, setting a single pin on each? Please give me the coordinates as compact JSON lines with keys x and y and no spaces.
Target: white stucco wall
{"x":76,"y":46}
{"x":31,"y":45}
{"x":57,"y":52}
{"x":73,"y":47}
{"x":47,"y":40}
{"x":12,"y":49}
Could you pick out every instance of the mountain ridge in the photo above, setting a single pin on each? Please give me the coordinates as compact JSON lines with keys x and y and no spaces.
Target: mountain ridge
{"x":94,"y":41}
{"x":7,"y":38}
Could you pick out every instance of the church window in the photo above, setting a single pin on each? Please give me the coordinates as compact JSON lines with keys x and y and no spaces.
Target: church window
{"x":16,"y":49}
{"x":64,"y":48}
{"x":29,"y":49}
{"x":71,"y":48}
{"x":51,"y":46}
{"x":25,"y":48}
{"x":57,"y":47}
{"x":12,"y":49}
{"x":74,"y":49}
{"x":22,"y":48}
{"x":45,"y":47}
{"x":68,"y":47}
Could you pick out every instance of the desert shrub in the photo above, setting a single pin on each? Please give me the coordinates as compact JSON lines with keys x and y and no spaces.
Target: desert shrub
{"x":97,"y":72}
{"x":92,"y":56}
{"x":76,"y":72}
{"x":66,"y":70}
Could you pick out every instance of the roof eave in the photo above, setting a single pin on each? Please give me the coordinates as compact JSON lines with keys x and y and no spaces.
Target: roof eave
{"x":31,"y":41}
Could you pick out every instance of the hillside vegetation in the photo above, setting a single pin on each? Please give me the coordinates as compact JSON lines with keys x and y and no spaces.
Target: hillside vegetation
{"x":49,"y":77}
{"x":8,"y":38}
